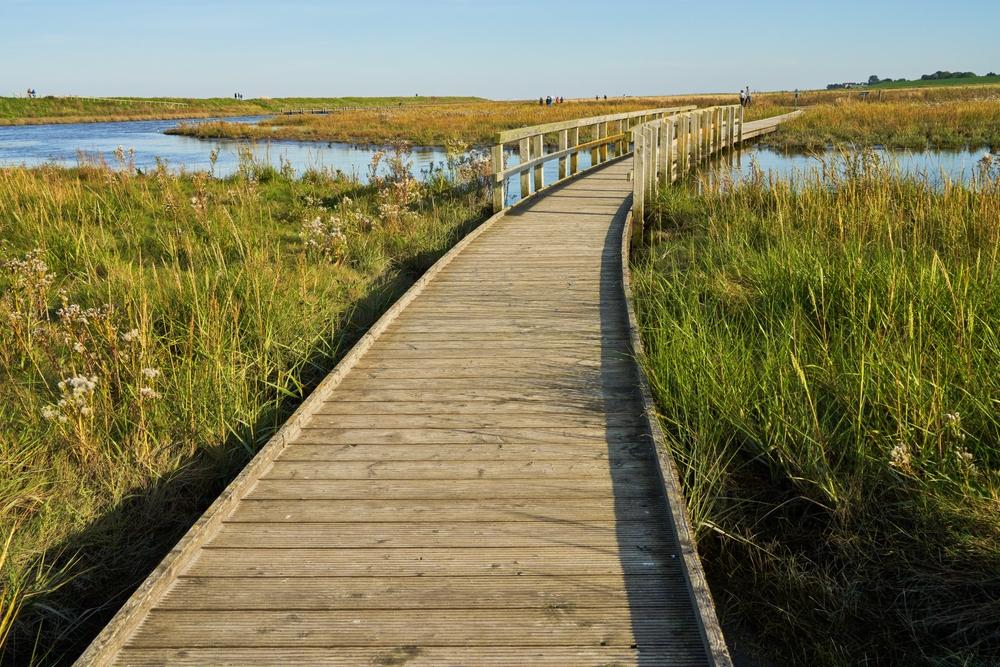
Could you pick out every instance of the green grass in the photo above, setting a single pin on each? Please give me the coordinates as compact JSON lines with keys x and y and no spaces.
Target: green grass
{"x":194,"y":313}
{"x":825,"y":358}
{"x":17,"y":111}
{"x":934,"y":83}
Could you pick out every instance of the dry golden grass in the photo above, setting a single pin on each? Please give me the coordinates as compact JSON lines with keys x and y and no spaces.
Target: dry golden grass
{"x":473,"y":123}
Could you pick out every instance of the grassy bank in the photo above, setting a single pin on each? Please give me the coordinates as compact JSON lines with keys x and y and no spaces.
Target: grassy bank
{"x":157,"y":330}
{"x":904,"y":124}
{"x":825,"y":362}
{"x":945,"y":117}
{"x":474,"y":123}
{"x":24,"y":111}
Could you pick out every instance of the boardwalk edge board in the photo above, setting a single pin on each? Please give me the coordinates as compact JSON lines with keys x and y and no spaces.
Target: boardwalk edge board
{"x":115,"y":634}
{"x":694,"y":573}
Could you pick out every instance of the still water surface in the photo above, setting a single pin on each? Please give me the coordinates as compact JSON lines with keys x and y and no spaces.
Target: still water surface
{"x":33,"y":145}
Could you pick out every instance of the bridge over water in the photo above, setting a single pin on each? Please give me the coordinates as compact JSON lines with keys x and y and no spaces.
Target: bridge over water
{"x":478,"y":482}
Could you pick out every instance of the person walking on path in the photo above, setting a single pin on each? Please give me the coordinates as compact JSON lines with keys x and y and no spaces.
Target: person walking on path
{"x":743,"y":98}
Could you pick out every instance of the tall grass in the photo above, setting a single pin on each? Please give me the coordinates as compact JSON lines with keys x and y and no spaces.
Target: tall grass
{"x":904,"y":123}
{"x":155,"y":330}
{"x":824,"y":355}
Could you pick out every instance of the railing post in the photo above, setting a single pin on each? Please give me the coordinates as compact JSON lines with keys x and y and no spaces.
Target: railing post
{"x":563,"y":145}
{"x":499,"y":182}
{"x":663,"y":152}
{"x":668,"y":171}
{"x":602,"y":133}
{"x":638,"y":179}
{"x":651,"y":159}
{"x":595,"y":154}
{"x":524,"y":153}
{"x":574,"y":158}
{"x":718,"y":129}
{"x":538,"y":150}
{"x":741,"y":126}
{"x":699,"y":120}
{"x":730,"y":127}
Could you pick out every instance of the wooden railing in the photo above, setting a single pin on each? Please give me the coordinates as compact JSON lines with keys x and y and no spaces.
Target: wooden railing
{"x":600,"y":134}
{"x":667,"y":148}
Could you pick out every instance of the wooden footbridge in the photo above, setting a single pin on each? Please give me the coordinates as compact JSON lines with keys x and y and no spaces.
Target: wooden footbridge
{"x":478,"y":482}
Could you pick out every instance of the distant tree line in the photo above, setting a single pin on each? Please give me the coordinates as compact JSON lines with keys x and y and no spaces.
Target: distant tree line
{"x":874,"y":79}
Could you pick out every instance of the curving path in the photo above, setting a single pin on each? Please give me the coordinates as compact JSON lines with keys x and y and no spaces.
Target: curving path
{"x":474,"y":485}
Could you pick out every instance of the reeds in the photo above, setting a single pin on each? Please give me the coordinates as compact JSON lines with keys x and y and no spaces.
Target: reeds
{"x":825,"y":356}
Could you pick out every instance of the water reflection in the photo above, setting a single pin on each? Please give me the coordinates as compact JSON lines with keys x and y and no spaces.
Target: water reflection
{"x":62,"y":144}
{"x":763,"y":162}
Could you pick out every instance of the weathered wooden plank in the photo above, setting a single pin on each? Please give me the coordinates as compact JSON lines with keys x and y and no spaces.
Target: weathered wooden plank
{"x":513,"y":391}
{"x":444,"y":592}
{"x":414,"y":511}
{"x":600,"y":409}
{"x":304,"y":451}
{"x":433,"y":561}
{"x":412,"y":655}
{"x":621,"y":386}
{"x":493,"y":435}
{"x":398,"y":470}
{"x":392,"y":629}
{"x":387,"y":535}
{"x":515,"y":369}
{"x":478,"y":421}
{"x":435,"y":489}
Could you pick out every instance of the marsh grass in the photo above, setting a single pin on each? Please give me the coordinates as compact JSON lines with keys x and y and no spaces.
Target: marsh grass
{"x":24,"y":111}
{"x":474,"y":123}
{"x":824,"y":356}
{"x":903,"y":122}
{"x":155,"y":330}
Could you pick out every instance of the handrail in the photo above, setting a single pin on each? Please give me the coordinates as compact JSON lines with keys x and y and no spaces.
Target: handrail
{"x":532,"y":155}
{"x":667,"y":148}
{"x":508,"y":136}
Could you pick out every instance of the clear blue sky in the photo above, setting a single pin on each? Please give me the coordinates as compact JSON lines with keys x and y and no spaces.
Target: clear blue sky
{"x":492,"y":48}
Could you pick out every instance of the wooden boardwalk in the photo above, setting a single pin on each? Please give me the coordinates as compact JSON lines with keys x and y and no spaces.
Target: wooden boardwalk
{"x":476,"y":483}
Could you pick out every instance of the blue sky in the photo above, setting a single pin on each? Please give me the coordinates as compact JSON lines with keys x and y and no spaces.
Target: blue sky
{"x":492,"y":48}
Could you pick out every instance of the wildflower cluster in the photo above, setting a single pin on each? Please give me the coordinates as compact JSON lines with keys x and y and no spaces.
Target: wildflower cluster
{"x":24,"y":302}
{"x":76,"y":398}
{"x":325,"y":237}
{"x":147,"y":391}
{"x":398,"y":190}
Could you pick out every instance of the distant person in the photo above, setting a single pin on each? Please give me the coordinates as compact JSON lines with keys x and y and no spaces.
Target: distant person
{"x":749,"y":97}
{"x":548,"y":101}
{"x":541,"y":102}
{"x":743,"y":98}
{"x":605,"y":97}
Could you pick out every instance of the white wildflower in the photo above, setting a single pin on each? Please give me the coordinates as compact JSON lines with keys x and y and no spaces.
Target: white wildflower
{"x":148,"y":392}
{"x":899,"y":457}
{"x":130,"y":336}
{"x":151,"y":373}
